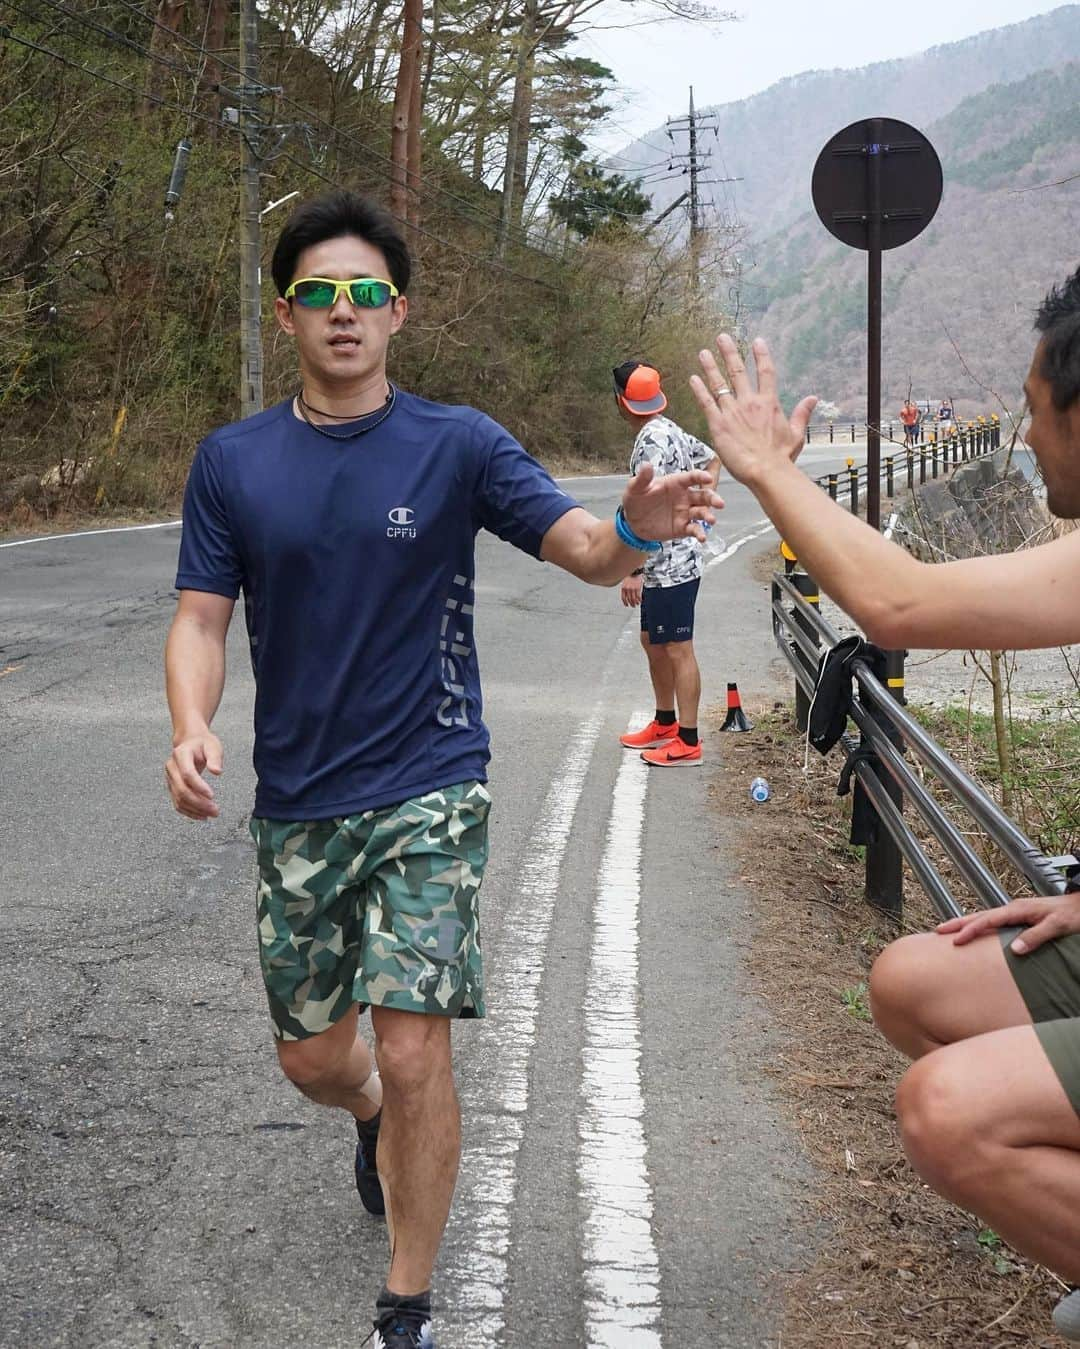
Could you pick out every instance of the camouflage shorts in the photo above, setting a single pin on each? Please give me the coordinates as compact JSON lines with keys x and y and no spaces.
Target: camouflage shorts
{"x":375,"y":908}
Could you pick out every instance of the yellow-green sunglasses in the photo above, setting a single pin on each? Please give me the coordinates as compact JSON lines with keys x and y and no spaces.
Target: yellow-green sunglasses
{"x":320,"y":292}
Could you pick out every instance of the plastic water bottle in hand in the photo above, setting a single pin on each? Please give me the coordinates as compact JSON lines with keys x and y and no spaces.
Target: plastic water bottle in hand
{"x":759,"y":790}
{"x":715,"y":542}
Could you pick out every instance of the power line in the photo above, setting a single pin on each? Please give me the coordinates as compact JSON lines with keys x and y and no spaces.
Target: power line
{"x":476,"y":213}
{"x":312,"y":116}
{"x":178,"y":36}
{"x":9,"y":34}
{"x":446,"y":243}
{"x":111,"y":33}
{"x":6,"y":32}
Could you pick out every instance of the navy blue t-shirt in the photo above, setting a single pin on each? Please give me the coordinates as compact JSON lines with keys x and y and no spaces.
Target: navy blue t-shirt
{"x":356,"y":559}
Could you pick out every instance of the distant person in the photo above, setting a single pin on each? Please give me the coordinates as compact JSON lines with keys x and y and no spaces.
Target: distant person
{"x":909,"y":417}
{"x":666,"y":586}
{"x":348,"y":514}
{"x":989,"y":1004}
{"x":945,"y":418}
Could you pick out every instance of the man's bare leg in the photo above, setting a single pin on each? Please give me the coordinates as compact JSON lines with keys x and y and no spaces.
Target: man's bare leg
{"x":925,"y":992}
{"x":334,"y":1068}
{"x":687,"y":681}
{"x":660,"y":673}
{"x":419,"y":1142}
{"x":988,"y":1125}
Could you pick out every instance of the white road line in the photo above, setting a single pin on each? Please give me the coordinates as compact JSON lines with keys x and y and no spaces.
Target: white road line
{"x":478,"y":1267}
{"x":622,"y":1268}
{"x":88,"y":533}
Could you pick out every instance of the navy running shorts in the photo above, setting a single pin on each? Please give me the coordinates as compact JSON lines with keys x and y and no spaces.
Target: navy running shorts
{"x":667,"y":612}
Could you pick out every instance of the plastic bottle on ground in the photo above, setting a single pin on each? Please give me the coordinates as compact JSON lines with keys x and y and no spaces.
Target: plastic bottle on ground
{"x":759,"y":790}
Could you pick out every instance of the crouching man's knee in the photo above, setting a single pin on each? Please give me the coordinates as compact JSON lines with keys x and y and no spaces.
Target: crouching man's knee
{"x":941,"y":1132}
{"x":898,"y":993}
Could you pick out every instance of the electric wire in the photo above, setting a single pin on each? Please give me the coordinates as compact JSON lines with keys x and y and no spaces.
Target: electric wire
{"x":309,"y":115}
{"x":420,"y":229}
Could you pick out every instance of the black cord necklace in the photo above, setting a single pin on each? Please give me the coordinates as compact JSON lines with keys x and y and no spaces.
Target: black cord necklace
{"x":306,"y":408}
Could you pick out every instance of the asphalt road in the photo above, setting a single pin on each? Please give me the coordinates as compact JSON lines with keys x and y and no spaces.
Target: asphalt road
{"x":627,"y":1180}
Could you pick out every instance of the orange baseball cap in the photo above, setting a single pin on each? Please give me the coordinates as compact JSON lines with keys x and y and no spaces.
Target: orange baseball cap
{"x":637,"y":387}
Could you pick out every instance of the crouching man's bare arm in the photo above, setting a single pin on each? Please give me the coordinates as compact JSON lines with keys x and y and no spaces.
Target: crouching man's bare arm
{"x":194,"y":680}
{"x":1010,"y":601}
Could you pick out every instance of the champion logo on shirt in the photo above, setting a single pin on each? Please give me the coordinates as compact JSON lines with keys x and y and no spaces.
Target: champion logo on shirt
{"x":401,"y":523}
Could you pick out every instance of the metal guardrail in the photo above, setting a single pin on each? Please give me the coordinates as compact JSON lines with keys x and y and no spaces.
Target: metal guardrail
{"x":887,"y":780}
{"x":833,"y":432}
{"x":911,"y":463}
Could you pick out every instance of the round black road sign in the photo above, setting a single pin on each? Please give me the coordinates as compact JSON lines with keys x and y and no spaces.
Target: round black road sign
{"x":877,"y":172}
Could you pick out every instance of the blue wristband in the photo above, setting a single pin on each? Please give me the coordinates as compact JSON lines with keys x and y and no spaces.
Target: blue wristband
{"x":627,"y":535}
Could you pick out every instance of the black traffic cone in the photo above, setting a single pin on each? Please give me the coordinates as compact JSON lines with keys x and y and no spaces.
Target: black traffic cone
{"x":736,"y":719}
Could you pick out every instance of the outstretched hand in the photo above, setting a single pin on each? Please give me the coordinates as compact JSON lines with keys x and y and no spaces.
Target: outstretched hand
{"x":748,"y":428}
{"x":670,"y":507}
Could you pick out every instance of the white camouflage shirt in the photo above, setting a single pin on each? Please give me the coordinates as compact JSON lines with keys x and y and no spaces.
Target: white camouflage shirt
{"x":670,"y":449}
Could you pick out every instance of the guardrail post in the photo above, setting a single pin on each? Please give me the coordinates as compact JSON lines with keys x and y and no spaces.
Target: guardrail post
{"x":832,"y":485}
{"x":922,"y":465}
{"x":808,"y":433}
{"x":853,"y":488}
{"x":889,"y":481}
{"x":884,"y":861}
{"x":995,"y":433}
{"x":830,"y":431}
{"x":910,"y":467}
{"x":933,"y":455}
{"x":853,"y":433}
{"x":807,"y":588}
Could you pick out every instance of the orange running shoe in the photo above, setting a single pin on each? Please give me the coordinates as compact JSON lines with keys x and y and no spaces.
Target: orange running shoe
{"x":676,"y":754}
{"x":651,"y":736}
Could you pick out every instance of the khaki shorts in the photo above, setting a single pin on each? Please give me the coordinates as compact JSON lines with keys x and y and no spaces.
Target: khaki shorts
{"x":378,"y":908}
{"x":1049,"y":982}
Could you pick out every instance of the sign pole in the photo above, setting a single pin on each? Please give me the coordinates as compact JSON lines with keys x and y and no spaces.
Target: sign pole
{"x":875,"y":150}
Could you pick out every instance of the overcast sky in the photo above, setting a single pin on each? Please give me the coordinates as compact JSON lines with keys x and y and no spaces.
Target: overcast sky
{"x":655,"y":65}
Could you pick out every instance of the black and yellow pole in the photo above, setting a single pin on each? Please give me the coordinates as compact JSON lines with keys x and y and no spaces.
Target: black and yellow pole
{"x":807,"y":588}
{"x":884,"y":862}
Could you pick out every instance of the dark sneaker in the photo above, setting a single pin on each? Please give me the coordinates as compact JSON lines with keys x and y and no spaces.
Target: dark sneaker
{"x":403,"y":1328}
{"x":367,"y":1178}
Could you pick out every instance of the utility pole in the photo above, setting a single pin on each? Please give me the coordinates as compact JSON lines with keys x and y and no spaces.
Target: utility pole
{"x":251,"y":354}
{"x":696,"y":160}
{"x":695,"y":211}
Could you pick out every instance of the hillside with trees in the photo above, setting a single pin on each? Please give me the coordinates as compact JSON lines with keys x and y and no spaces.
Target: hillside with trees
{"x":120,"y":312}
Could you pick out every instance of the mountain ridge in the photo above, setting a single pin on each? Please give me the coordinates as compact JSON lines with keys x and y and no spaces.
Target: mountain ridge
{"x":785,"y":125}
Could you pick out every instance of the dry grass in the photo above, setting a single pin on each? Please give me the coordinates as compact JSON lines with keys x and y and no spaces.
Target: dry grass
{"x":898,"y":1266}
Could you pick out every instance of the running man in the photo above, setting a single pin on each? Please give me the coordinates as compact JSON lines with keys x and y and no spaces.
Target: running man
{"x":347,"y":515}
{"x":989,"y":1004}
{"x":666,"y":586}
{"x":909,"y":416}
